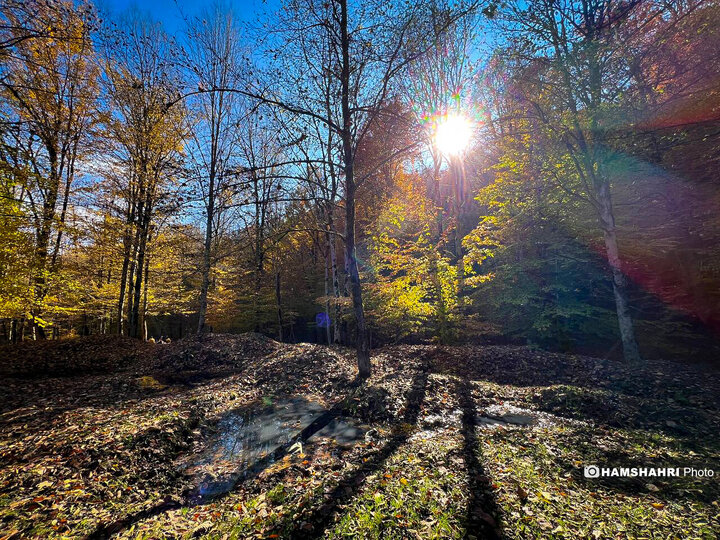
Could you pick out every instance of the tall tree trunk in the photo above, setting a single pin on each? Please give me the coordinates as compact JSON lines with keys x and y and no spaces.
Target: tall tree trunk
{"x":145,"y":298}
{"x":259,"y":252}
{"x":256,"y":294}
{"x":602,"y":185}
{"x":627,"y":333}
{"x":202,"y":311}
{"x":42,"y":247}
{"x":69,"y":176}
{"x":134,"y":324}
{"x":334,"y":278}
{"x":363,"y":345}
{"x":128,"y":247}
{"x":327,"y":299}
{"x":278,"y":299}
{"x":134,"y":268}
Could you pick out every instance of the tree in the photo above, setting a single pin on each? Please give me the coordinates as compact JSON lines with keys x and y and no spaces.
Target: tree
{"x":261,"y":195}
{"x":149,"y":135}
{"x":16,"y":239}
{"x":214,"y":61}
{"x":538,"y":279}
{"x":438,"y":84}
{"x":414,"y":288}
{"x":570,"y":73}
{"x":26,"y":20}
{"x":368,"y":47}
{"x":50,"y":86}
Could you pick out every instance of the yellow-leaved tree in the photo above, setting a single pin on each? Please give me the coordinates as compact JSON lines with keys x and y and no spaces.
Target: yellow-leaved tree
{"x":48,"y":86}
{"x":413,"y":290}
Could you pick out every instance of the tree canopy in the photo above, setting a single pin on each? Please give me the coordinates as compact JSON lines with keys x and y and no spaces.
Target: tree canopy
{"x":286,"y":177}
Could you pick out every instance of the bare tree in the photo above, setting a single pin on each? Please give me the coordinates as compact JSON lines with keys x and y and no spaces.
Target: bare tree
{"x":369,"y":46}
{"x":341,"y":75}
{"x":214,"y":61}
{"x":259,"y":197}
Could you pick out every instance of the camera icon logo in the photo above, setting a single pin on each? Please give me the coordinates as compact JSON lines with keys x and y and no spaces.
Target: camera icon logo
{"x":592,"y":471}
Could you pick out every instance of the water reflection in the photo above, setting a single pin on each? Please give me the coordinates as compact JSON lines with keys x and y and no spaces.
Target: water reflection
{"x":246,"y":437}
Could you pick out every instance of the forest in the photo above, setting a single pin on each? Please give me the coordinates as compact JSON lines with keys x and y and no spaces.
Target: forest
{"x":452,"y":253}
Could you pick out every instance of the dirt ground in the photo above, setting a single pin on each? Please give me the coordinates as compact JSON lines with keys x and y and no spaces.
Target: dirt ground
{"x":464,"y":441}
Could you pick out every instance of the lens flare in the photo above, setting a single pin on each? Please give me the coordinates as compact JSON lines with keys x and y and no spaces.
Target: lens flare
{"x":453,"y":134}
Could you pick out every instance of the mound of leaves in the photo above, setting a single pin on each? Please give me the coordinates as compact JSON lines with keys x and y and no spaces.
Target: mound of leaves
{"x":304,"y":367}
{"x":384,"y":397}
{"x":91,"y":354}
{"x":209,"y":356}
{"x":691,"y":384}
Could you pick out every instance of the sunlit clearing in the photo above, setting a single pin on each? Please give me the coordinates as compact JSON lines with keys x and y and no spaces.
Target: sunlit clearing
{"x":453,"y":135}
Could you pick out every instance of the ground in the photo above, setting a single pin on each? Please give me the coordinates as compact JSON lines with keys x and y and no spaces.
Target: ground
{"x":464,"y":441}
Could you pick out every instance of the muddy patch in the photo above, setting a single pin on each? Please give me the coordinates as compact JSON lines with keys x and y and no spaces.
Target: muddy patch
{"x":247,"y":441}
{"x":509,"y":415}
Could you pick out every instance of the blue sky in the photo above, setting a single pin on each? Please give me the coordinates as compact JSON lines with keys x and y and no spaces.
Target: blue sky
{"x":170,"y":12}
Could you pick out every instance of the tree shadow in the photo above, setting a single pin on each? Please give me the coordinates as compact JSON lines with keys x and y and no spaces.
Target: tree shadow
{"x":482,"y":510}
{"x":692,"y":427}
{"x":682,"y":404}
{"x":321,"y":517}
{"x":193,"y":497}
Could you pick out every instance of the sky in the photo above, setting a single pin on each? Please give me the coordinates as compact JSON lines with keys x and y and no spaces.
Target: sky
{"x":170,"y":12}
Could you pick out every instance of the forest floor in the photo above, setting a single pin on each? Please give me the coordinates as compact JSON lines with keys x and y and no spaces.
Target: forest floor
{"x":464,"y":441}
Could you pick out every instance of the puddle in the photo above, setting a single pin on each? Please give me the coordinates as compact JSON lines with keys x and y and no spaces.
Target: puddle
{"x":342,"y":431}
{"x":509,"y":415}
{"x":247,"y":440}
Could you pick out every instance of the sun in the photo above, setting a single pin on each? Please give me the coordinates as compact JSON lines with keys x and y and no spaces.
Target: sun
{"x":453,"y":134}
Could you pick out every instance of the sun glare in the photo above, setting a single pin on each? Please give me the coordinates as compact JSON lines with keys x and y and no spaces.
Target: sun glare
{"x":453,"y":135}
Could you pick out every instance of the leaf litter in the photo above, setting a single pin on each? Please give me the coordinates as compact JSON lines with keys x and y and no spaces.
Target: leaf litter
{"x":79,"y":453}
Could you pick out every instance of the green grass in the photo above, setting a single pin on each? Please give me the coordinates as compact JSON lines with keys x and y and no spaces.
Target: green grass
{"x":541,"y":498}
{"x":416,"y":493}
{"x":535,"y":478}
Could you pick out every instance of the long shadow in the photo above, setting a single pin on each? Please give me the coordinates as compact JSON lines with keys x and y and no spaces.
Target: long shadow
{"x":482,"y":510}
{"x":650,"y":400}
{"x":323,"y":515}
{"x":695,"y":426}
{"x":194,"y":498}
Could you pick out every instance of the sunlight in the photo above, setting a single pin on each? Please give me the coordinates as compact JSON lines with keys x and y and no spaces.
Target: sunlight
{"x":453,"y":134}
